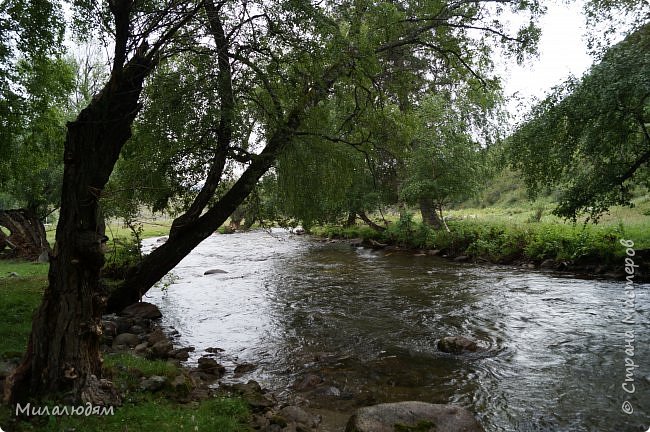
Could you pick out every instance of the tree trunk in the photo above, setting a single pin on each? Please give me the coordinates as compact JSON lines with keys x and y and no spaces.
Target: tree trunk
{"x":27,"y":234}
{"x":352,"y":219}
{"x":63,"y":349}
{"x":430,"y":216}
{"x":183,"y":240}
{"x":364,"y":217}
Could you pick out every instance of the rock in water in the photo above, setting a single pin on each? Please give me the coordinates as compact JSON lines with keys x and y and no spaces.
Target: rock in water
{"x":457,"y":345}
{"x":214,"y":271}
{"x":142,"y":310}
{"x":412,"y":415}
{"x":210,"y":366}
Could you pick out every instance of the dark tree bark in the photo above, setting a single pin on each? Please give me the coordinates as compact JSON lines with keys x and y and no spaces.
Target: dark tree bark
{"x":430,"y":215}
{"x":372,"y":224}
{"x":63,"y":349}
{"x":352,"y":219}
{"x":27,"y":237}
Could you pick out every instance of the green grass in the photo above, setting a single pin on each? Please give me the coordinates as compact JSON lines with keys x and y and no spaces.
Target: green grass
{"x":19,"y":297}
{"x":23,"y":268}
{"x":157,"y":228}
{"x":126,"y":361}
{"x":154,"y":415}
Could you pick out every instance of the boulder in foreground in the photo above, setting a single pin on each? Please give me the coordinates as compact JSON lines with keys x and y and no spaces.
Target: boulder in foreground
{"x":413,"y":415}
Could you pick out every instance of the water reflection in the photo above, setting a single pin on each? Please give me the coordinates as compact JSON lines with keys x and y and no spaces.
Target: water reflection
{"x":554,"y":347}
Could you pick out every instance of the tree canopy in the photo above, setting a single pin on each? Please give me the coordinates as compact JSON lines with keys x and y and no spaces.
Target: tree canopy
{"x":590,"y":135}
{"x":202,"y":100}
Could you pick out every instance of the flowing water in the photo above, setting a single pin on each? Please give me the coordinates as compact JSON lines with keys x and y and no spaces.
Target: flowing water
{"x":553,"y":356}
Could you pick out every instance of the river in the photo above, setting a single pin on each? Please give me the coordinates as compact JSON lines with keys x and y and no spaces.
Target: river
{"x":367,"y":322}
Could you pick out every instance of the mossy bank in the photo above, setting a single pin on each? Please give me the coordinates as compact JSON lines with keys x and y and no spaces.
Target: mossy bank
{"x":588,"y":250}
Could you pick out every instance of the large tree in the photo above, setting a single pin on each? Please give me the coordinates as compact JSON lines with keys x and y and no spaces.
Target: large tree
{"x":274,"y":65}
{"x":448,"y":158}
{"x":590,"y":136}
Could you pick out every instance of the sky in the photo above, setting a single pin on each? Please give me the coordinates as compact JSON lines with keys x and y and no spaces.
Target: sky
{"x":562,"y":51}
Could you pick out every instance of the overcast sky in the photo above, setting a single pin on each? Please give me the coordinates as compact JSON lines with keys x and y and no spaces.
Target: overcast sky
{"x":562,"y":49}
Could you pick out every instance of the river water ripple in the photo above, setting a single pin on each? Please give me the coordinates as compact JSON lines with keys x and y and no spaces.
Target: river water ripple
{"x":554,"y":355}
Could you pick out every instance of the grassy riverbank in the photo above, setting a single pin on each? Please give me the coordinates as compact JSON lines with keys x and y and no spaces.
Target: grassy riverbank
{"x":21,"y":289}
{"x":511,"y":235}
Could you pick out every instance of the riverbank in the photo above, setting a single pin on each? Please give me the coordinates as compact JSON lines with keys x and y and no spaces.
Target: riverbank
{"x":584,"y":250}
{"x":157,"y":394}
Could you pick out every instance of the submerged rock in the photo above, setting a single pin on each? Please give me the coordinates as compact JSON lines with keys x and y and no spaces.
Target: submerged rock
{"x":413,"y":416}
{"x":214,"y":271}
{"x":308,"y":382}
{"x":326,"y":391}
{"x":244,"y":368}
{"x":457,"y":344}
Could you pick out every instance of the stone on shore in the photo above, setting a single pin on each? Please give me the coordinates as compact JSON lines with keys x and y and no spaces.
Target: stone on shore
{"x":153,"y":383}
{"x":126,"y":339}
{"x":413,"y":415}
{"x":299,"y":416}
{"x":142,"y":311}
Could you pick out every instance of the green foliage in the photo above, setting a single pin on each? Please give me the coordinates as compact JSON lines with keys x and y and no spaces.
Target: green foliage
{"x":34,"y":82}
{"x":316,"y":189}
{"x":590,"y":136}
{"x":446,"y":164}
{"x":406,"y":232}
{"x":31,"y":170}
{"x":500,"y":240}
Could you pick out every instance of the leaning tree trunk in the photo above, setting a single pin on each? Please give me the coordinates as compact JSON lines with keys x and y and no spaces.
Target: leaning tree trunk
{"x":26,"y":237}
{"x":184,"y":239}
{"x":430,"y":215}
{"x":63,"y":349}
{"x":372,"y":224}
